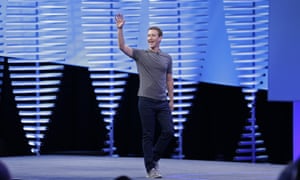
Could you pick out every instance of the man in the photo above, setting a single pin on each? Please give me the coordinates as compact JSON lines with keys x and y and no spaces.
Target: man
{"x":156,"y":83}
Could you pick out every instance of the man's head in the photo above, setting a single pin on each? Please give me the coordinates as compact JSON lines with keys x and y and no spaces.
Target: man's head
{"x":160,"y":33}
{"x":4,"y":172}
{"x":154,"y":37}
{"x":291,"y":171}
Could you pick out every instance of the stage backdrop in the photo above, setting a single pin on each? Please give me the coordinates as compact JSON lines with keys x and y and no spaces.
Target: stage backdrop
{"x":284,"y":49}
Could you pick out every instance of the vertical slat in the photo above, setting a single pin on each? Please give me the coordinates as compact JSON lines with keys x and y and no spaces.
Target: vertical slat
{"x":35,"y":34}
{"x":247,"y":28}
{"x":105,"y":66}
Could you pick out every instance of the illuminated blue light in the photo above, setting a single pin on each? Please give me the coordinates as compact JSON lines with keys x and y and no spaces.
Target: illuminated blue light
{"x":247,"y":28}
{"x":35,"y":34}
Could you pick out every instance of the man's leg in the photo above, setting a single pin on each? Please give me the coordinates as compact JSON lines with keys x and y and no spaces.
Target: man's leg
{"x":147,"y":116}
{"x":167,"y":130}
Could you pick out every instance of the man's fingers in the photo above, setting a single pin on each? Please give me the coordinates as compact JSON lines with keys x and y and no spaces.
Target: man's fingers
{"x":119,"y":17}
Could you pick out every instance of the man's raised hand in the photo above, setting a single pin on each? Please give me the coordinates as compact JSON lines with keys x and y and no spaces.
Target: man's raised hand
{"x":119,"y":21}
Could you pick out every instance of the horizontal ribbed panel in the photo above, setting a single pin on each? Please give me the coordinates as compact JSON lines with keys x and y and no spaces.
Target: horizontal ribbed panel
{"x":247,"y":29}
{"x":36,"y":35}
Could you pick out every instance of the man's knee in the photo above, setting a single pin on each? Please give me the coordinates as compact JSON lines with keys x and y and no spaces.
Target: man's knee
{"x":169,"y":133}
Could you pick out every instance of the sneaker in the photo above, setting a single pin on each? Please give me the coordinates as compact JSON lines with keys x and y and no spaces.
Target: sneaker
{"x":154,"y":173}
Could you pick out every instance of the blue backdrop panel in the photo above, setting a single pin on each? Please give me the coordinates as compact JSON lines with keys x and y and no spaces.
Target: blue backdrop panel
{"x":284,"y":49}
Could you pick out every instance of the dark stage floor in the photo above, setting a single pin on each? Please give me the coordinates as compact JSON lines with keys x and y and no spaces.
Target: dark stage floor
{"x":75,"y":167}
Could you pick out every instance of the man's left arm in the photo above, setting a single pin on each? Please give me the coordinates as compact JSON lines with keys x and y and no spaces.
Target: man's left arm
{"x":170,"y":87}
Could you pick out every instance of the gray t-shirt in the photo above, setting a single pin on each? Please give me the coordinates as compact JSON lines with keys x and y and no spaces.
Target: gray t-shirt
{"x":153,"y":69}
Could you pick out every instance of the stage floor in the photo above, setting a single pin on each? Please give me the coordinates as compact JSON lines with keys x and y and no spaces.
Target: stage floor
{"x":81,"y":167}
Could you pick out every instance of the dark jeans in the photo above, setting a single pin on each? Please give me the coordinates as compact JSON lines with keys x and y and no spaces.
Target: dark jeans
{"x":151,"y":112}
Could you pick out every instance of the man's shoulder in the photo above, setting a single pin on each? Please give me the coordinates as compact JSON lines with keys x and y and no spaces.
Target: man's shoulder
{"x":165,"y":54}
{"x":139,"y":51}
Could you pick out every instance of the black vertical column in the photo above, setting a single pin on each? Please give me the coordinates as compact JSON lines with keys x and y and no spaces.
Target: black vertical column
{"x":76,"y":125}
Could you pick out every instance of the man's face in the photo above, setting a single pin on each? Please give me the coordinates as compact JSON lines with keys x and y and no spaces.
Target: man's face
{"x":153,"y":39}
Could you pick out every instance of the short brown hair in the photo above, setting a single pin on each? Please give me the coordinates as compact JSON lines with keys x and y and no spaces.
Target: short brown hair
{"x":160,"y":33}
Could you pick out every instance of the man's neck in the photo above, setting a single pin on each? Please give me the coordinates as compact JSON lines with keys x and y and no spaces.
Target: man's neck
{"x":156,"y":50}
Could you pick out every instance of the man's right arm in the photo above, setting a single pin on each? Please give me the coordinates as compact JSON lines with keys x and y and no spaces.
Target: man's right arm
{"x":123,"y":47}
